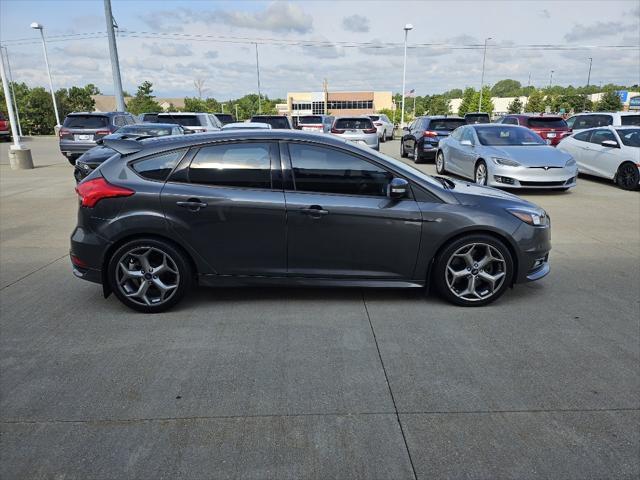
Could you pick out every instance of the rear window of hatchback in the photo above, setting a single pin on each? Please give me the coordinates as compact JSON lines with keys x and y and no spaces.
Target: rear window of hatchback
{"x":184,"y":120}
{"x":310,"y":119}
{"x":353,"y":124}
{"x":86,"y":121}
{"x":627,"y":120}
{"x":546,"y":122}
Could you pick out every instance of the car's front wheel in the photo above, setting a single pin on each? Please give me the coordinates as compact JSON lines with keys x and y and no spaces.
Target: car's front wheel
{"x":440,"y":163}
{"x":416,"y":154}
{"x":474,"y":270}
{"x":149,"y":275}
{"x":481,"y":174}
{"x":628,"y":176}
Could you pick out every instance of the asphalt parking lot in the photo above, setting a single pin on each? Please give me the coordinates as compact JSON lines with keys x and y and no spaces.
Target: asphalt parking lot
{"x":299,"y":383}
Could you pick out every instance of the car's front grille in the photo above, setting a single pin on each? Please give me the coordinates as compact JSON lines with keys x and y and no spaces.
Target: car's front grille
{"x":541,"y":184}
{"x":545,"y":168}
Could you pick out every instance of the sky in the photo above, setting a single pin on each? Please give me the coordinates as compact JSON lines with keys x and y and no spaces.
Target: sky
{"x":355,"y":45}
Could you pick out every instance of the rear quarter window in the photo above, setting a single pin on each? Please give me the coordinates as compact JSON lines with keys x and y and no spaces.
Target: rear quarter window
{"x":158,"y":167}
{"x":627,"y":120}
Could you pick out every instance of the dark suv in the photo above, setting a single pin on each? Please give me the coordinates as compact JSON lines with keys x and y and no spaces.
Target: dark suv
{"x":276,"y":121}
{"x":80,"y":131}
{"x":421,"y":137}
{"x":277,"y":207}
{"x":477,"y":117}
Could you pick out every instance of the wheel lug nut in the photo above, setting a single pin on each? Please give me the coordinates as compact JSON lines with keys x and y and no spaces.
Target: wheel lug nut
{"x":155,"y":276}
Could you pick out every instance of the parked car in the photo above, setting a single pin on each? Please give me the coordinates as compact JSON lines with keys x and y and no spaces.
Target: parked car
{"x":90,"y":160}
{"x":225,"y":118}
{"x":5,"y":128}
{"x":581,"y":121}
{"x":328,"y":213}
{"x":192,"y":121}
{"x":608,"y":152}
{"x":384,"y":126}
{"x":148,"y":117}
{"x":477,"y":117}
{"x":356,"y":129}
{"x":276,"y":121}
{"x":551,"y":128}
{"x":422,"y":136}
{"x":246,"y":126}
{"x":81,"y":130}
{"x":505,"y":156}
{"x":315,"y":123}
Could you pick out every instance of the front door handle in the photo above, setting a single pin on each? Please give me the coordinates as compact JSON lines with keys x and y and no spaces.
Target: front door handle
{"x":193,"y":204}
{"x":315,"y":211}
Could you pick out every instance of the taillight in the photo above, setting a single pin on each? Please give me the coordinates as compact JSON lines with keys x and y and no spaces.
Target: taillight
{"x":77,"y":261}
{"x":92,"y":191}
{"x":103,"y":132}
{"x":63,"y":132}
{"x":430,"y":133}
{"x":370,"y":130}
{"x":336,"y":130}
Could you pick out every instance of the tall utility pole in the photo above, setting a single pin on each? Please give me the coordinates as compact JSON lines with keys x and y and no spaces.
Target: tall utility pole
{"x":484,"y":57}
{"x":38,"y":26}
{"x":236,"y":105}
{"x":325,"y":89}
{"x":113,"y":51}
{"x":13,"y":90}
{"x":258,"y":72}
{"x":550,"y":78}
{"x":584,"y":104}
{"x":407,"y":27}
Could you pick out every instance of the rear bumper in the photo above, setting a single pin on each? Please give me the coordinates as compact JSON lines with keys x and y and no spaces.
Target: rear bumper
{"x":75,"y":148}
{"x":88,"y":250}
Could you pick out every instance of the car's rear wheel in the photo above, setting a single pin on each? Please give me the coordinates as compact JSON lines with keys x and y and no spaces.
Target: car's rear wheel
{"x":149,"y":275}
{"x":403,"y":152}
{"x":473,"y":270}
{"x":383,"y":138}
{"x":481,"y":175}
{"x":628,"y":176}
{"x":440,"y":168}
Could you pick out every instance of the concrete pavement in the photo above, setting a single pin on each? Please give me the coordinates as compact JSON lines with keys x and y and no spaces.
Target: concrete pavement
{"x":294,"y":383}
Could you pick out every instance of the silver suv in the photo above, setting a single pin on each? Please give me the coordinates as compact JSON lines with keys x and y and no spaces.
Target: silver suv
{"x":358,"y":130}
{"x":192,"y":121}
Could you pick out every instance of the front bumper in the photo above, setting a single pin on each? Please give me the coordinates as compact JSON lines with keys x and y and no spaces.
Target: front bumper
{"x":534,"y":245}
{"x":528,"y":177}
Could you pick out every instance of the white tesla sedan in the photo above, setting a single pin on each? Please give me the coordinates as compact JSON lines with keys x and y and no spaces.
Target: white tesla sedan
{"x":609,"y":152}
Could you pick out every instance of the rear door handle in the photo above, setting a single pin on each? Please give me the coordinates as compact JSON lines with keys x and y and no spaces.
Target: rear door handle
{"x":193,"y":204}
{"x":315,"y":211}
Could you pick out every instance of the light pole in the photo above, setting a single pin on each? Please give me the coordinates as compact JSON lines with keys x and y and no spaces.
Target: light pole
{"x":113,"y":52}
{"x":588,"y":80}
{"x":550,"y":78}
{"x":407,"y":27}
{"x":38,"y":26}
{"x":258,"y":72}
{"x":13,"y":90}
{"x":484,"y":57}
{"x":236,"y":105}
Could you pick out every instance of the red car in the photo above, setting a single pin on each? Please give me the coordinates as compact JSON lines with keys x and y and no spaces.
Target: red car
{"x":551,"y":128}
{"x":5,"y":129}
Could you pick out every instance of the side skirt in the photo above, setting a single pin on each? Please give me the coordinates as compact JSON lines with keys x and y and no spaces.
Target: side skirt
{"x":245,"y":281}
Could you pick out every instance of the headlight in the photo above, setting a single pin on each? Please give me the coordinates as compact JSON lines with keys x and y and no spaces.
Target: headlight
{"x":505,"y":162}
{"x":530,"y":216}
{"x":570,"y":163}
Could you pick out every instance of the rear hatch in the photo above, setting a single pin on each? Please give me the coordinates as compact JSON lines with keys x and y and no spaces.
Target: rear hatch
{"x":551,"y":129}
{"x":473,"y":118}
{"x":312,"y":123}
{"x":84,"y":128}
{"x":353,"y":128}
{"x":440,"y":128}
{"x":188,"y":122}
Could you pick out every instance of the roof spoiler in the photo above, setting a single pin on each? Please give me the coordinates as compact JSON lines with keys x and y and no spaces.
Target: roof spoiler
{"x":123,"y":146}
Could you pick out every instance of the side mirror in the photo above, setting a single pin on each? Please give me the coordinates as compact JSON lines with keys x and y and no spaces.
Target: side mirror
{"x":610,"y":143}
{"x":398,"y":188}
{"x":466,"y":143}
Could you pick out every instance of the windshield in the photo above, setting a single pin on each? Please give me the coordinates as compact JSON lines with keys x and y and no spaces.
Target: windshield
{"x":353,"y":124}
{"x":86,"y":121}
{"x":146,"y":130}
{"x":508,"y":136}
{"x":275,"y":122}
{"x":184,"y":120}
{"x":629,"y":136}
{"x":310,"y":119}
{"x":546,"y":122}
{"x":448,"y":124}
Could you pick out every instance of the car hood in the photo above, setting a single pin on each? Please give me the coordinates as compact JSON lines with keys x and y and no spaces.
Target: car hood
{"x":531,"y":156}
{"x":472,"y":194}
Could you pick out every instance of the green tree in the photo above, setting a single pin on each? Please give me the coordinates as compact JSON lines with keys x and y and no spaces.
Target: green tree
{"x":467,"y":105}
{"x":535,"y":102}
{"x":506,"y":88}
{"x":37,"y":116}
{"x":453,"y":93}
{"x":439,"y":105}
{"x":609,"y":102}
{"x":487,"y":104}
{"x":515,"y":106}
{"x":394,"y":115}
{"x":144,"y":100}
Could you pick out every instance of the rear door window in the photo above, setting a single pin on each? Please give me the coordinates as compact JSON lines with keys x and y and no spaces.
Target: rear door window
{"x":591,"y":121}
{"x":627,"y":120}
{"x":354,"y":124}
{"x":245,"y":165}
{"x":583,"y":136}
{"x":599,"y":136}
{"x":158,"y":167}
{"x":546,"y":122}
{"x":86,"y":121}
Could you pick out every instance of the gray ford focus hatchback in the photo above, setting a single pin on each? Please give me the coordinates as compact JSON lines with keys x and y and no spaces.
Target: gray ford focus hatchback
{"x":282,"y":207}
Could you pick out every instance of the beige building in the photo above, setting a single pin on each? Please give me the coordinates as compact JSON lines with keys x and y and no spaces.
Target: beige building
{"x":107,"y":103}
{"x":337,"y":103}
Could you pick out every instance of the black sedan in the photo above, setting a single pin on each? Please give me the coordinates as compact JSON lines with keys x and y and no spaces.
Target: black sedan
{"x":89,"y":160}
{"x":421,"y":137}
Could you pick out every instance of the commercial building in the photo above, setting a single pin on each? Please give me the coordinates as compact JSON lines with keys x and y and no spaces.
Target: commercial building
{"x":336,"y":103}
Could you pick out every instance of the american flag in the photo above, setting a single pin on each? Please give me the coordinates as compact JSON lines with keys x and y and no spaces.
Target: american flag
{"x":411,"y":93}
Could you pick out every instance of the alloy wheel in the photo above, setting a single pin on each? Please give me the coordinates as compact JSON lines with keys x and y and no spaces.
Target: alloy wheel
{"x":628,"y":176}
{"x":475,"y":272}
{"x":481,"y":174}
{"x":147,"y":275}
{"x":416,"y":154}
{"x":440,"y":162}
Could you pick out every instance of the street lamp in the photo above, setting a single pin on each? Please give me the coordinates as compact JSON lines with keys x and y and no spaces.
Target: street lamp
{"x":484,"y":57}
{"x":584,"y":104}
{"x":39,"y":26}
{"x":407,"y":27}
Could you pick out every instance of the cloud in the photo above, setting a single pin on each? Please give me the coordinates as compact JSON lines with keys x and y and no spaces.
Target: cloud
{"x":164,"y":20}
{"x":597,"y":30}
{"x":355,"y":23}
{"x":169,"y":49}
{"x":211,"y":54}
{"x":277,"y":17}
{"x":544,"y":13}
{"x":326,"y":50}
{"x":85,"y":50}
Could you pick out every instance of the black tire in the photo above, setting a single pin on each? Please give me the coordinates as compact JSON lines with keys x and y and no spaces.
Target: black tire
{"x":627,"y":176}
{"x":480,"y":165}
{"x":383,"y":138}
{"x":184,"y":270}
{"x":439,"y":272}
{"x":416,"y":154}
{"x":390,"y":136}
{"x":403,"y":152}
{"x":440,"y":168}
